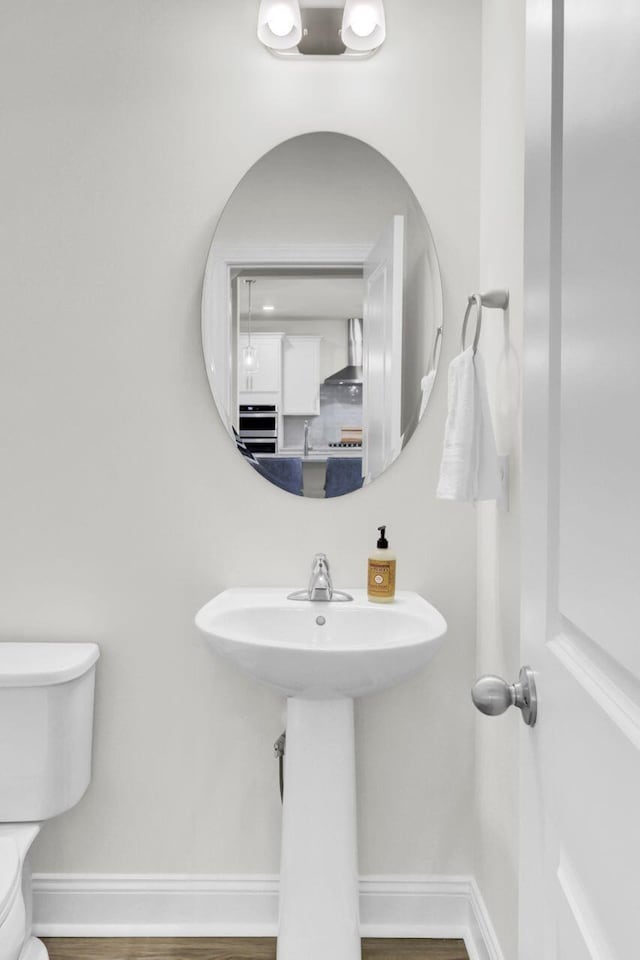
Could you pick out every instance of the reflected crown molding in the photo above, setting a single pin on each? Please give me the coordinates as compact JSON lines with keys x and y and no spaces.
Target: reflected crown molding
{"x":290,"y":254}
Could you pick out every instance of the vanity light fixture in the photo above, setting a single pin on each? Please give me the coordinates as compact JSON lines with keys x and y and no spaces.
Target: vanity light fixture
{"x":363,"y":25}
{"x":268,"y":307}
{"x":249,"y":353}
{"x":344,"y":29}
{"x":279,"y":24}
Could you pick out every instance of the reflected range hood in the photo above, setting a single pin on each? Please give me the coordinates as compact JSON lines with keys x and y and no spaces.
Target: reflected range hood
{"x":352,"y":373}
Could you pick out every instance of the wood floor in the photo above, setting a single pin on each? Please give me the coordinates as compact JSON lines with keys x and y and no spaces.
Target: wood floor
{"x":226,"y":948}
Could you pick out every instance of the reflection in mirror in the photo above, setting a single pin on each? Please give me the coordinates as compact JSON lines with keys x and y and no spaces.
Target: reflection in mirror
{"x":322,"y":315}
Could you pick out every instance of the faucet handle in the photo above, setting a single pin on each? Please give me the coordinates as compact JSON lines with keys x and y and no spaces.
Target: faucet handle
{"x":320,"y":586}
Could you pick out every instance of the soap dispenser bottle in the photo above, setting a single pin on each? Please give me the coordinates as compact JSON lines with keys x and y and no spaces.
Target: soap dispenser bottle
{"x":381,"y":578}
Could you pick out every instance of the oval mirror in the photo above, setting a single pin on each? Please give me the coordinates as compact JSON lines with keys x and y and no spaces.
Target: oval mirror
{"x":321,"y":315}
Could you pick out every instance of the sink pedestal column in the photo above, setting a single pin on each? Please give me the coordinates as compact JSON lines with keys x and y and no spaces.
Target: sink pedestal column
{"x":319,"y":916}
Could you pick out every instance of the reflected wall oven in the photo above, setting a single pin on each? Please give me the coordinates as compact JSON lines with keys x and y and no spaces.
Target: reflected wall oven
{"x":258,"y":427}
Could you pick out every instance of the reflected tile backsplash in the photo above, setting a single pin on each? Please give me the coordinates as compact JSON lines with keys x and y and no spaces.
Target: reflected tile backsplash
{"x":340,"y":406}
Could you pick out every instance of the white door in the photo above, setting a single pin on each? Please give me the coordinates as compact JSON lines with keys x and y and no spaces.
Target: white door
{"x":382,"y":350}
{"x":301,"y":376}
{"x":580,"y":765}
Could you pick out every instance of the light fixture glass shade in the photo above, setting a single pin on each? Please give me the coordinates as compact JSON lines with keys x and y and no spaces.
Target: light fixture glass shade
{"x":279,"y":24}
{"x":363,"y":24}
{"x":249,"y":359}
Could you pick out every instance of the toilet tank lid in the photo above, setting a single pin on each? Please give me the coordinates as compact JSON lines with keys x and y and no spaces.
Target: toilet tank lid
{"x":10,"y":875}
{"x":35,"y":664}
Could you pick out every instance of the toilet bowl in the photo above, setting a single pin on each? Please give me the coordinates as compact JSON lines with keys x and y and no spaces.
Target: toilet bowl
{"x":46,"y":735}
{"x":12,"y":907}
{"x":15,"y":894}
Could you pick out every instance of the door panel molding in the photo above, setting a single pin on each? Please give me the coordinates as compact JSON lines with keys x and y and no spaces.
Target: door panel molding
{"x":575,"y":653}
{"x":582,"y":913}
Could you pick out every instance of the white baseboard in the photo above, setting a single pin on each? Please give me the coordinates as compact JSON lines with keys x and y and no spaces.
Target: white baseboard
{"x":90,"y":905}
{"x":482,"y":930}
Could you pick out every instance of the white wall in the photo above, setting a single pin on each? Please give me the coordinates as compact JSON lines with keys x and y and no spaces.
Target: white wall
{"x":501,"y":256}
{"x":124,"y":505}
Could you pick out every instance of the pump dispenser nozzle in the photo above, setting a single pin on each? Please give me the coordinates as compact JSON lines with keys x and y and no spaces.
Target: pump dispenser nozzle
{"x":383,"y":543}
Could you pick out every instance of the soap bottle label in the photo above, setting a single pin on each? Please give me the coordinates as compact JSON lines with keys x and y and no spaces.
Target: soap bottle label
{"x":382,"y":578}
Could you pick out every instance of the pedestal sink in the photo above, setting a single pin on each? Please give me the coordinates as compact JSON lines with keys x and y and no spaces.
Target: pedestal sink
{"x":320,"y":655}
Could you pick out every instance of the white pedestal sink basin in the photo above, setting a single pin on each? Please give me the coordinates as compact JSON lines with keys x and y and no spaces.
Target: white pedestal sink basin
{"x":321,"y":655}
{"x":360,"y":647}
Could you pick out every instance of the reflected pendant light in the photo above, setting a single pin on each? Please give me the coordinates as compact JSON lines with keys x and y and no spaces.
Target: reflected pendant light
{"x":249,"y":353}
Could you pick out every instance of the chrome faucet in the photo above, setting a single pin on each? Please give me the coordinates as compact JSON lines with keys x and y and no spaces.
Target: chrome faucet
{"x":307,"y":445}
{"x":320,"y":584}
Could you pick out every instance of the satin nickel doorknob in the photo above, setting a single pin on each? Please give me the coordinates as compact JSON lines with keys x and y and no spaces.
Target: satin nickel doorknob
{"x":493,"y":695}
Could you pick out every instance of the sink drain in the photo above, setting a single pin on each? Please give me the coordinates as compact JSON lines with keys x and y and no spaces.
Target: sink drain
{"x":320,"y":621}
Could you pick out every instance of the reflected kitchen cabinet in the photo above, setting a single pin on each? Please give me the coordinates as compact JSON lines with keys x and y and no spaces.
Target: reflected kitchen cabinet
{"x":266,"y":378}
{"x":301,"y":376}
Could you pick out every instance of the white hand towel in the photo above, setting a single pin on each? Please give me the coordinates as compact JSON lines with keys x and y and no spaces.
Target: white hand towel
{"x":426,"y":384}
{"x":469,"y":468}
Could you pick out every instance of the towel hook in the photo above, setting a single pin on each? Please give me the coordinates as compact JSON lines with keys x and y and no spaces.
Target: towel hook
{"x":477,"y":299}
{"x":495,"y":299}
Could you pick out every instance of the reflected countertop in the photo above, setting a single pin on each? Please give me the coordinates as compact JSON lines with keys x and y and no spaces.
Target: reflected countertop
{"x":317,"y":454}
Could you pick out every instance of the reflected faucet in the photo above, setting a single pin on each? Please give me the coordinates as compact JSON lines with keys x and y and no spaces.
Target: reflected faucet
{"x":307,"y":445}
{"x":320,"y":584}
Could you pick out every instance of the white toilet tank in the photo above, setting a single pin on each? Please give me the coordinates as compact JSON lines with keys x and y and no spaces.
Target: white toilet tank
{"x":46,"y":727}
